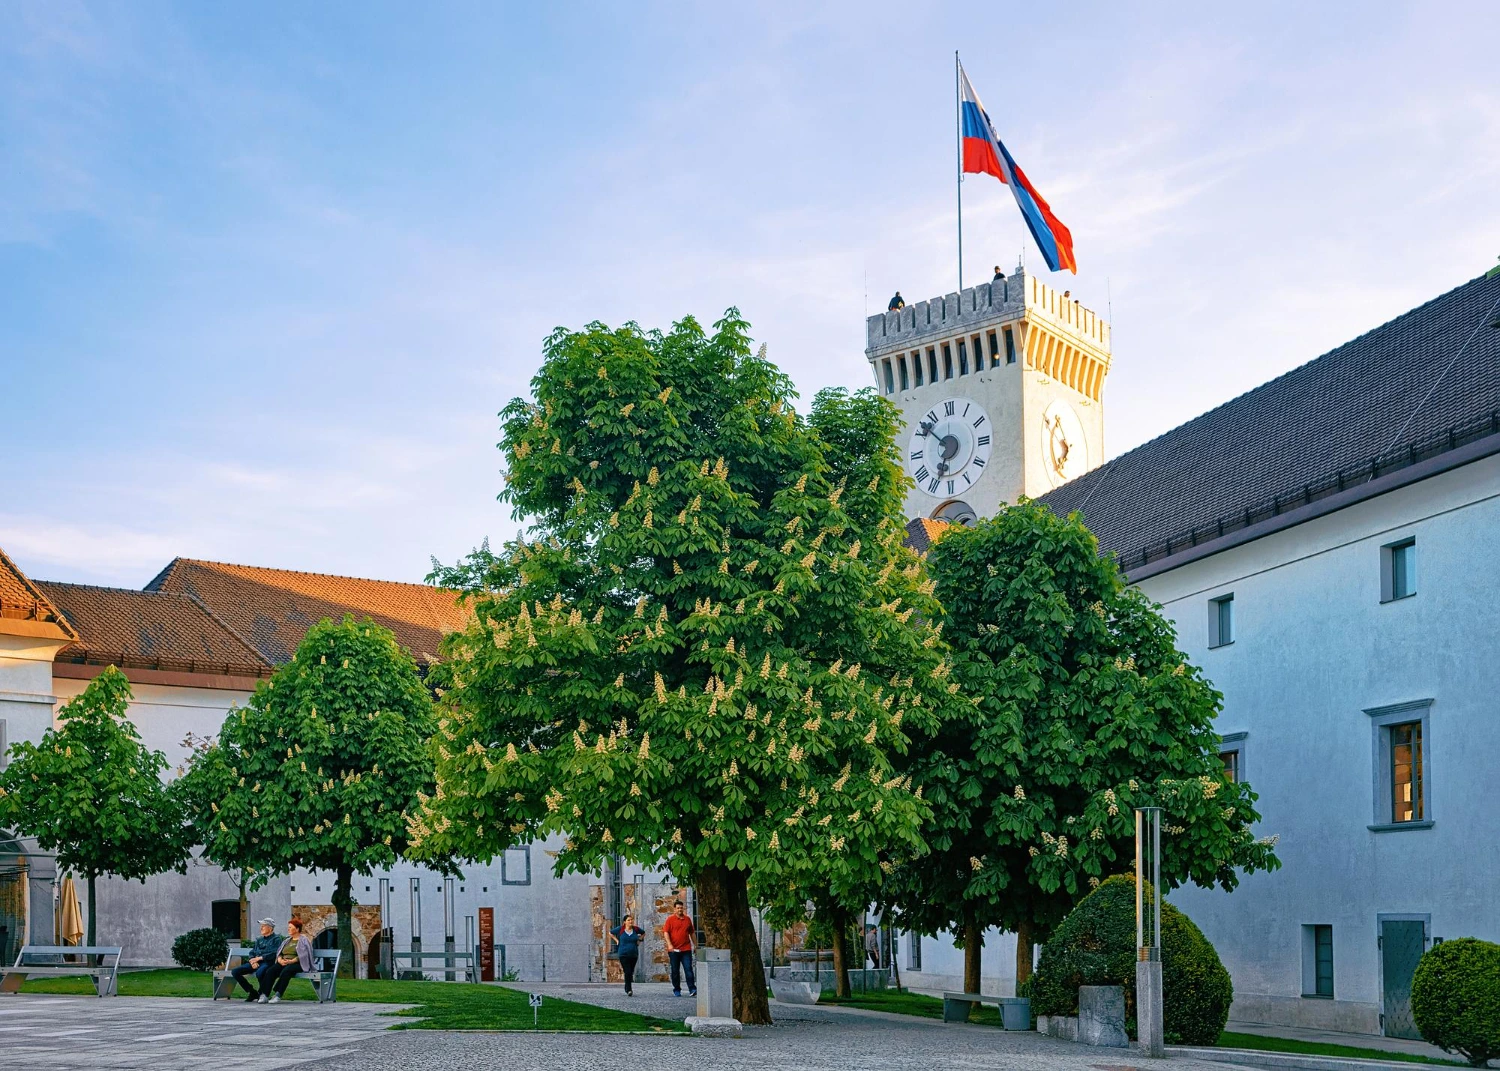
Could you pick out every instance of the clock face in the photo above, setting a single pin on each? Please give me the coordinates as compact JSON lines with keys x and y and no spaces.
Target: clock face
{"x":949,"y":447}
{"x":1064,"y":452}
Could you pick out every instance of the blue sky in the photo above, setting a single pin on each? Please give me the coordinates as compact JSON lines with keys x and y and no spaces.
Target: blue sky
{"x":268,"y":271}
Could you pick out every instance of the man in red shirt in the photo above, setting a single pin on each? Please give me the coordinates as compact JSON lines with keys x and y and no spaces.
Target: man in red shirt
{"x":680,"y":933}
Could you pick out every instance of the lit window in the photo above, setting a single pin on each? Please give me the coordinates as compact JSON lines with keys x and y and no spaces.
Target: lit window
{"x":1398,"y":562}
{"x":1221,"y":621}
{"x":1231,"y":761}
{"x":1406,"y":772}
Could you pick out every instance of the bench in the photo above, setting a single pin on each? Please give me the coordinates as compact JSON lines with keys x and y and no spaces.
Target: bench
{"x":324,"y":976}
{"x":956,"y":1006}
{"x":51,"y":961}
{"x":460,"y":963}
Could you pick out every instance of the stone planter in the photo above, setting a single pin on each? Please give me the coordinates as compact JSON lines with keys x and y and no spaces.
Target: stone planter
{"x":1100,"y":1020}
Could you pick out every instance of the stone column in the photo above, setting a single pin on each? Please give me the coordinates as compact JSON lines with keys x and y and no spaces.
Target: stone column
{"x":1148,"y":1007}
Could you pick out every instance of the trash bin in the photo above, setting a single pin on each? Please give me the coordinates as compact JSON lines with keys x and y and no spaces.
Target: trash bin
{"x":1015,"y":1013}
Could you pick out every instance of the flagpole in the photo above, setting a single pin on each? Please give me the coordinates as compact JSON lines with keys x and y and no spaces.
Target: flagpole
{"x":958,"y":109}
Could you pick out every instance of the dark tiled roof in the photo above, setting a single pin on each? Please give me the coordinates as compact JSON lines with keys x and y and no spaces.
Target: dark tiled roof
{"x":923,"y":532}
{"x":21,"y":598}
{"x":1367,"y":399}
{"x":272,"y":609}
{"x":150,"y":629}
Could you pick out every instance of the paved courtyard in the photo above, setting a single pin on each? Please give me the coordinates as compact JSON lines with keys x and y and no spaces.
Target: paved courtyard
{"x":40,"y":1033}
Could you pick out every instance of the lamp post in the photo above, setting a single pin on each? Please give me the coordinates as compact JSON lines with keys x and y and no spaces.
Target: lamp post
{"x":1148,"y":1005}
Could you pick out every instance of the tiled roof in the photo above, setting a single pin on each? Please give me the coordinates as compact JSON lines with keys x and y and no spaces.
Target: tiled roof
{"x":1414,"y":386}
{"x":272,"y":609}
{"x":149,"y":629}
{"x":21,"y":598}
{"x":923,"y":532}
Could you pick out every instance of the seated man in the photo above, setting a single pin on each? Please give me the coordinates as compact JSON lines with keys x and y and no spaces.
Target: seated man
{"x":262,"y":954}
{"x":897,"y":302}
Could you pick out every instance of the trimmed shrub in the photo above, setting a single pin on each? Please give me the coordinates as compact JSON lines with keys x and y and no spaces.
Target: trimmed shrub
{"x":1095,"y":945}
{"x":201,"y":950}
{"x":1455,"y":998}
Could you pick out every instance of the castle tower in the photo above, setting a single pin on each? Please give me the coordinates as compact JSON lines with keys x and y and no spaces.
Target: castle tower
{"x":1001,"y":390}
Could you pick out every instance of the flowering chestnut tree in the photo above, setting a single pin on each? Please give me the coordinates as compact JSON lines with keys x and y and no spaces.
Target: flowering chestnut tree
{"x":1083,"y":709}
{"x":710,"y":649}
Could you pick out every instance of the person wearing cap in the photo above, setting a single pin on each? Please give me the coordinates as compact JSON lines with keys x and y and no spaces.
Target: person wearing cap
{"x":262,"y":955}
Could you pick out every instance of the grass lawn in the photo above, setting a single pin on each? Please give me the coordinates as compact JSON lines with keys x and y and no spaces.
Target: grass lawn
{"x":905,"y":1002}
{"x":436,"y":1005}
{"x":1232,"y":1040}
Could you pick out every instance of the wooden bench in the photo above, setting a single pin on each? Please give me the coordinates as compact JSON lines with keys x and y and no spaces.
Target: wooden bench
{"x":956,"y":1006}
{"x":324,"y":976}
{"x":51,"y":961}
{"x":458,"y":963}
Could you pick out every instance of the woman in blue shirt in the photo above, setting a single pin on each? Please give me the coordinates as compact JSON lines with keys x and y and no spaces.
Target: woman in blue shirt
{"x":627,"y":937}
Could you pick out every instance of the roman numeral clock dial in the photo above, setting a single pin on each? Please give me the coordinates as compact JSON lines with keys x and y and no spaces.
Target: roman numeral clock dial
{"x":949,"y":447}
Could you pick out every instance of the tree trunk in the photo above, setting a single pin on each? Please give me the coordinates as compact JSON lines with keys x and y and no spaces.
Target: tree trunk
{"x":93,"y":912}
{"x":244,"y":912}
{"x":973,"y":942}
{"x":1023,"y":953}
{"x":724,"y":914}
{"x":342,"y":903}
{"x":840,"y":920}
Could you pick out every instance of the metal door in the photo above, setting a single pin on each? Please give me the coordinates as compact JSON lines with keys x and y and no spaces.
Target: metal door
{"x":1402,"y":942}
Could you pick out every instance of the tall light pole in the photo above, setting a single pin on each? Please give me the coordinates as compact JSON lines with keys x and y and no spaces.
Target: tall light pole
{"x":1148,"y":1004}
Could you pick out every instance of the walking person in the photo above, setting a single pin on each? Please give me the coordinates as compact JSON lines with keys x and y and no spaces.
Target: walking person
{"x":872,"y":945}
{"x":294,"y":957}
{"x":258,"y":963}
{"x":681,"y":935}
{"x":627,"y":938}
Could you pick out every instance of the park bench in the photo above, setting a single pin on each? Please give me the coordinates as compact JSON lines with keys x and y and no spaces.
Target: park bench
{"x":324,"y":976}
{"x":459,"y":963}
{"x":53,"y":961}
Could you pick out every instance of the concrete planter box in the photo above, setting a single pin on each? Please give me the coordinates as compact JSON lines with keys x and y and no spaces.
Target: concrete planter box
{"x":1100,"y":1020}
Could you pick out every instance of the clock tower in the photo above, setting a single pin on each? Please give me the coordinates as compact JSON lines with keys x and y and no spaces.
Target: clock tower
{"x":1001,"y":390}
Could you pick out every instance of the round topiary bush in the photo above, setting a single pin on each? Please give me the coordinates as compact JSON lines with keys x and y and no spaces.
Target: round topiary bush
{"x":1455,"y":998}
{"x":1095,"y":945}
{"x":201,"y":950}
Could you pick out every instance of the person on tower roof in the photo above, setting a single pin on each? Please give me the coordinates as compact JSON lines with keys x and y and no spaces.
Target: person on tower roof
{"x":999,"y":275}
{"x":897,"y":302}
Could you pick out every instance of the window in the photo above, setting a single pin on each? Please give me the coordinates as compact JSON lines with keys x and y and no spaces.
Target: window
{"x":1221,"y":621}
{"x":224,"y":916}
{"x":1406,"y":771}
{"x":994,"y":349}
{"x":515,"y":866}
{"x":1403,"y":771}
{"x":1317,"y":961}
{"x":947,"y":361}
{"x":890,"y":383}
{"x":914,"y":953}
{"x":1232,"y":756}
{"x":901,"y":367}
{"x":963,"y":358}
{"x":932,"y":376}
{"x":916,"y":367}
{"x":1398,"y":570}
{"x":1010,"y":347}
{"x":1231,"y":761}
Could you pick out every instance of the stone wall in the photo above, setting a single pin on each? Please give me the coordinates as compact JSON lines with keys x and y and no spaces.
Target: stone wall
{"x":364,"y":921}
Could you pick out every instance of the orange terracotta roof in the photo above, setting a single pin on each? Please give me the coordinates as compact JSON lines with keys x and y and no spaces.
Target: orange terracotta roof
{"x":21,"y":598}
{"x":923,"y":532}
{"x":150,"y":630}
{"x":272,"y":609}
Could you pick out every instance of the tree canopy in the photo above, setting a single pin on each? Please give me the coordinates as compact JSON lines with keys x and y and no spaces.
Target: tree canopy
{"x":321,"y":768}
{"x":1082,"y":709}
{"x":92,"y":793}
{"x":709,"y":650}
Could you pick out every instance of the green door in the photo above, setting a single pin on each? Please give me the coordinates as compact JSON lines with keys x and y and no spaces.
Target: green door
{"x":1402,"y":942}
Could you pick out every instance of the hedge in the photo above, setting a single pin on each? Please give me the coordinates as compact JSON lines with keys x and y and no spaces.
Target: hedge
{"x":1095,"y":945}
{"x":1455,"y":998}
{"x":201,"y":950}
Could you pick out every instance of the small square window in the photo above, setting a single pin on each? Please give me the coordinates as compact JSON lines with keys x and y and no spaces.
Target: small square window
{"x":1221,"y":621}
{"x":1317,"y":961}
{"x":1398,"y":570}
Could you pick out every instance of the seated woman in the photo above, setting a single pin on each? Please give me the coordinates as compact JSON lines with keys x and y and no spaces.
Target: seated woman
{"x":294,"y":957}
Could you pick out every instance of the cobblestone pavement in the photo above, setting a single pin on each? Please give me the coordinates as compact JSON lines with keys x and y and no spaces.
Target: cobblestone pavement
{"x":804,"y":1039}
{"x":40,"y":1033}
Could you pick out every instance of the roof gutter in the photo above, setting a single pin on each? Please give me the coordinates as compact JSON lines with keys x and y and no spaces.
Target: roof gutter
{"x":1444,"y":462}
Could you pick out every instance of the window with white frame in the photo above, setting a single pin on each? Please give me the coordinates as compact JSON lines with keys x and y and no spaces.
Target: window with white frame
{"x":1402,"y":774}
{"x":1221,"y":620}
{"x":1398,"y":570}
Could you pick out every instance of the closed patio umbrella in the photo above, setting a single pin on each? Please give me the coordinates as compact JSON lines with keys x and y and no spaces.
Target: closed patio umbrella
{"x":69,"y":917}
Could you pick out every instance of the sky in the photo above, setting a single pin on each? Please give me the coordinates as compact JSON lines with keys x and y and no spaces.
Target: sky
{"x":268,"y":271}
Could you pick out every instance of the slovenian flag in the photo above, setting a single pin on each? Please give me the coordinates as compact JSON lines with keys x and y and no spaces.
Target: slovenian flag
{"x":985,"y":154}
